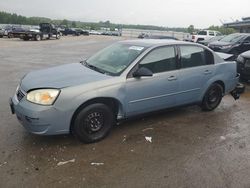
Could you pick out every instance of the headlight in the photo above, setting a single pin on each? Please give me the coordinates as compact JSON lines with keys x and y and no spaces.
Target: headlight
{"x":43,"y":96}
{"x":247,"y":64}
{"x":225,"y":47}
{"x":240,"y":59}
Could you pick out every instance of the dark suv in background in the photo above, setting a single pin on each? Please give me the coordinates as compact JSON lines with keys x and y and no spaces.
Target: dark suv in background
{"x":236,"y":44}
{"x":243,"y":65}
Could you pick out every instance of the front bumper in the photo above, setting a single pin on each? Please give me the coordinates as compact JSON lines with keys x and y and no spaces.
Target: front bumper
{"x":38,"y":119}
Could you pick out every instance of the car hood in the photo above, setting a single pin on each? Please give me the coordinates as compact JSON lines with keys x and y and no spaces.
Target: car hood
{"x":61,"y":77}
{"x":220,"y":43}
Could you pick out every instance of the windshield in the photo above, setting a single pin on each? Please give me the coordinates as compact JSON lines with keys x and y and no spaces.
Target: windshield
{"x":114,"y":59}
{"x":232,"y":38}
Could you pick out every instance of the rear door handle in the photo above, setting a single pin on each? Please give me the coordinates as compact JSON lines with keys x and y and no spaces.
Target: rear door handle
{"x":207,"y":72}
{"x":171,"y":78}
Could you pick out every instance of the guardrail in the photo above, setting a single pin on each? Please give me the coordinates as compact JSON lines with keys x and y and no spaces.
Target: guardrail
{"x":134,"y":33}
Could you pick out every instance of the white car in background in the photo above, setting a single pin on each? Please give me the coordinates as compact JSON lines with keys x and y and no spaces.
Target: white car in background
{"x":205,"y":35}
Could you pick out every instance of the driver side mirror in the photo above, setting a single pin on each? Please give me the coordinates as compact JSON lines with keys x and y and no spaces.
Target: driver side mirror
{"x":143,"y":71}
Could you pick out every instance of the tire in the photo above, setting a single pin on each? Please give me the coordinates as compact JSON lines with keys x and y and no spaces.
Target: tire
{"x":10,"y":35}
{"x":93,"y":123}
{"x":212,"y":98}
{"x":37,"y":37}
{"x":58,"y":36}
{"x":1,"y":36}
{"x":25,"y":38}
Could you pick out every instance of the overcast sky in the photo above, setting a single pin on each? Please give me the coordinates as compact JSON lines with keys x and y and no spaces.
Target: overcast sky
{"x":171,"y":13}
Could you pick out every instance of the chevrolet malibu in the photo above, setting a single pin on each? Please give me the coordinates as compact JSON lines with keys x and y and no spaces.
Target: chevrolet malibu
{"x":125,"y":79}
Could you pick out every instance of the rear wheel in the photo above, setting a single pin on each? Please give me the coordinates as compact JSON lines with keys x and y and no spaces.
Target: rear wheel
{"x":93,"y":123}
{"x":58,"y":36}
{"x":37,"y":37}
{"x":212,"y":97}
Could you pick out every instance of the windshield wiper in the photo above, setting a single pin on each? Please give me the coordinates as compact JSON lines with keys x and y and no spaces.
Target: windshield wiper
{"x":93,"y":67}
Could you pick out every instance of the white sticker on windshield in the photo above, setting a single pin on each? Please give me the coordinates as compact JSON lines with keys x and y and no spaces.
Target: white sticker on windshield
{"x":138,"y":48}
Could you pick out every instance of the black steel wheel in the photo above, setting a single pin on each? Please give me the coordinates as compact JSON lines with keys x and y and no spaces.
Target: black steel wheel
{"x":212,"y":97}
{"x":93,"y":123}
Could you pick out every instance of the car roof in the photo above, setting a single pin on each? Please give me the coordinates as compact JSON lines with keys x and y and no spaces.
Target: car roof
{"x":154,"y":42}
{"x":208,"y":30}
{"x":243,"y":34}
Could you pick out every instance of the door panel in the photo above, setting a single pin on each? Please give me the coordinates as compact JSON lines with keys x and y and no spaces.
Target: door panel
{"x":191,"y":82}
{"x":146,"y":94}
{"x":151,"y":93}
{"x":197,"y":67}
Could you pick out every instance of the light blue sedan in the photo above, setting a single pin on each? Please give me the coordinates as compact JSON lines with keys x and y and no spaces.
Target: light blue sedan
{"x":123,"y":80}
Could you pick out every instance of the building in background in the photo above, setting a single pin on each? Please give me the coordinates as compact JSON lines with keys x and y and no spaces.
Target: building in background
{"x":242,"y":26}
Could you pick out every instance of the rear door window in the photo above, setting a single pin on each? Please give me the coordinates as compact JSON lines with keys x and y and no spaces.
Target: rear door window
{"x":193,"y":56}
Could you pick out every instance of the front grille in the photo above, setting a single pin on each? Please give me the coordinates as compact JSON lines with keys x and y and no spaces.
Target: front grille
{"x":20,"y":94}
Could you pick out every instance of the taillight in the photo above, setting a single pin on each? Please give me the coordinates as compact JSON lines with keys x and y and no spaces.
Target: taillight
{"x":193,"y":37}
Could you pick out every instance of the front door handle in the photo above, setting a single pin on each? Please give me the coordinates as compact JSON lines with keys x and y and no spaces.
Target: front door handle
{"x":207,"y":72}
{"x":171,"y":78}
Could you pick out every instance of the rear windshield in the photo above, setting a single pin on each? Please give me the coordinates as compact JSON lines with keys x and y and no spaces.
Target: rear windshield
{"x":202,"y":33}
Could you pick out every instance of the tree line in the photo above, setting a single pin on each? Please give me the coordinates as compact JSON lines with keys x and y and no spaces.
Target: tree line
{"x":8,"y":18}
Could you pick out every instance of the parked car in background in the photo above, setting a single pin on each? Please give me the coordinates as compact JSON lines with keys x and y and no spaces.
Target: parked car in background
{"x":81,"y":31}
{"x":207,"y":41}
{"x":188,"y":36}
{"x":16,"y":31}
{"x":125,"y":79}
{"x":111,"y":33}
{"x":204,"y":35}
{"x":46,"y":31}
{"x":236,"y":44}
{"x":160,"y":37}
{"x":71,"y":31}
{"x":7,"y":29}
{"x":243,"y":65}
{"x":143,"y":35}
{"x":84,"y":32}
{"x":1,"y":32}
{"x":93,"y":32}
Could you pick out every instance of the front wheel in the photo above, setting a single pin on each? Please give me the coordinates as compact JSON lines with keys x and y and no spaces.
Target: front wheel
{"x":212,"y":97}
{"x":93,"y":123}
{"x":25,"y":39}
